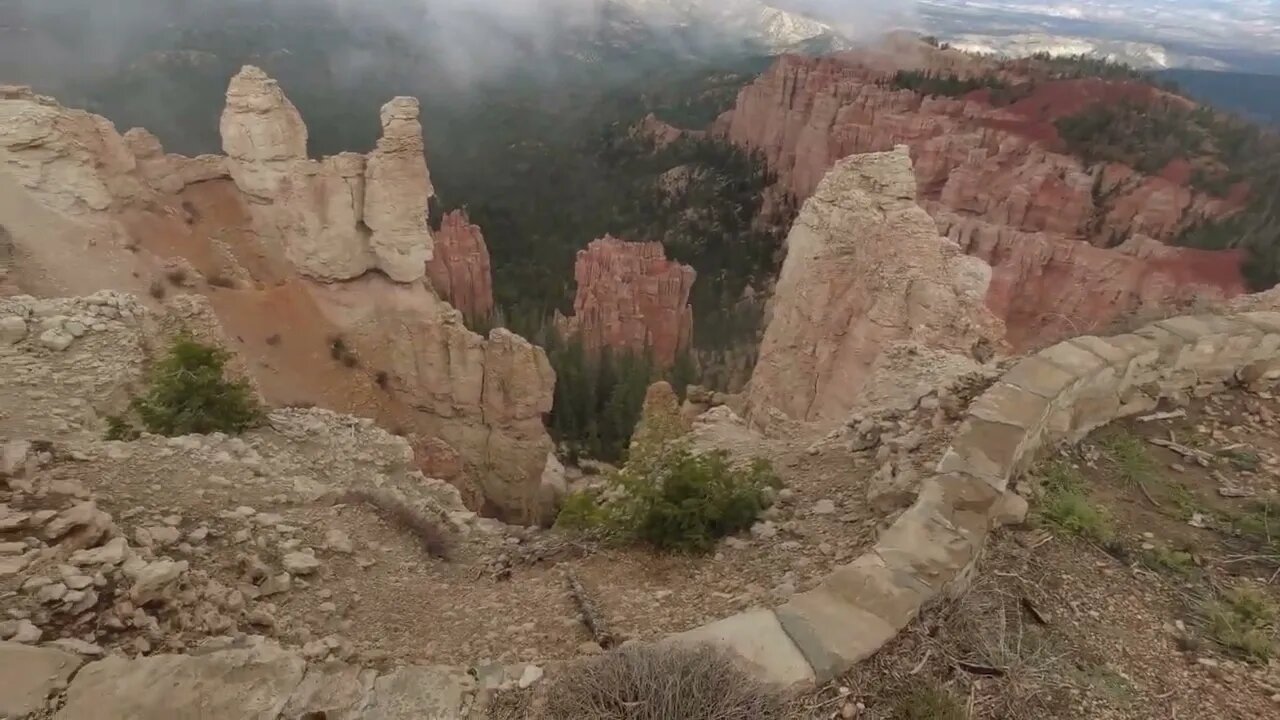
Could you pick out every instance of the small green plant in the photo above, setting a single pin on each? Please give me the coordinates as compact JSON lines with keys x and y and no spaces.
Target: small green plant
{"x":1128,"y":457}
{"x":1242,"y":459}
{"x":119,"y":429}
{"x":678,"y":501}
{"x":929,"y":703}
{"x":1243,"y":622}
{"x":1183,"y":499}
{"x":1065,"y":505}
{"x":1174,"y":562}
{"x":1260,"y":523}
{"x":188,"y":393}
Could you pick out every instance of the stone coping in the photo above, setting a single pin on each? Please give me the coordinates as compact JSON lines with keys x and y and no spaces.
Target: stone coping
{"x":1057,"y":395}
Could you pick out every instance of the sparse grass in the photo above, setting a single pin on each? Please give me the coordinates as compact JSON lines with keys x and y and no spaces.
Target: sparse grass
{"x":930,"y":703}
{"x":1242,"y":459}
{"x":1066,"y":505}
{"x":666,"y":682}
{"x":1183,"y":499}
{"x":1106,"y":681}
{"x":428,"y":530}
{"x":1173,"y":562}
{"x":1260,"y":523}
{"x":1128,"y":457}
{"x":1242,"y":621}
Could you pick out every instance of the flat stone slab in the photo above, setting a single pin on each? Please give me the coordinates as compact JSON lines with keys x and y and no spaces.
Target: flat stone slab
{"x":832,"y":634}
{"x":240,"y":684}
{"x":758,"y":640}
{"x":1040,"y":377}
{"x":29,"y":674}
{"x":987,"y":450}
{"x":421,"y":693}
{"x":333,"y":691}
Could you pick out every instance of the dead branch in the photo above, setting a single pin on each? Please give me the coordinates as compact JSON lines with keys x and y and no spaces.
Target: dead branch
{"x":1201,"y":457}
{"x":590,"y":614}
{"x":1180,"y":413}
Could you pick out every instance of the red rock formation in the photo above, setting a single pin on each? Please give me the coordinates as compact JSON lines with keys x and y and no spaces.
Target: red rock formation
{"x":663,"y":133}
{"x":460,"y":270}
{"x":1047,"y":287}
{"x":1001,"y":169}
{"x":630,"y":296}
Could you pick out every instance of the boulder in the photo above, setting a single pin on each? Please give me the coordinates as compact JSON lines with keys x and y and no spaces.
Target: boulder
{"x":252,"y":683}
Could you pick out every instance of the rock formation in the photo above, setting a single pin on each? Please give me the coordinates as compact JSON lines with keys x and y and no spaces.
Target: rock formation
{"x":1045,"y":286}
{"x":316,"y":269}
{"x":460,"y":269}
{"x":988,"y":171}
{"x":631,"y":297}
{"x":865,"y":271}
{"x":371,"y":212}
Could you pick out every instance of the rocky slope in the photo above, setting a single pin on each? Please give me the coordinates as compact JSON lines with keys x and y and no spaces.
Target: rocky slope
{"x":460,"y":269}
{"x":316,"y":269}
{"x":867,"y":273}
{"x":631,"y":297}
{"x":994,"y":173}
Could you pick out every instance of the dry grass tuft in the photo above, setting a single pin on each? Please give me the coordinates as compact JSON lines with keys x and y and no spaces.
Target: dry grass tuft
{"x":428,"y":530}
{"x":661,"y":682}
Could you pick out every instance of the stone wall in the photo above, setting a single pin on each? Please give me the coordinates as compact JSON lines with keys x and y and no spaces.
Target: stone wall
{"x":1057,"y":395}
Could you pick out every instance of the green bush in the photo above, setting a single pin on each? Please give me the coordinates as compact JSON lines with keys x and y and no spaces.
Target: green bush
{"x":674,"y":500}
{"x":188,"y":393}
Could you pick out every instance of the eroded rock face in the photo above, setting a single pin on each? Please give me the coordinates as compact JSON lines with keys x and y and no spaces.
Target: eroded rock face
{"x":70,"y":161}
{"x":631,"y":297}
{"x":396,"y":194}
{"x":339,"y":217}
{"x":997,"y":168}
{"x":290,"y":253}
{"x":1088,"y":288}
{"x":866,"y":270}
{"x":460,"y":270}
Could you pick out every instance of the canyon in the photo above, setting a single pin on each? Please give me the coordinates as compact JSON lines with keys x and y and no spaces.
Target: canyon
{"x":1072,"y":248}
{"x":316,"y":271}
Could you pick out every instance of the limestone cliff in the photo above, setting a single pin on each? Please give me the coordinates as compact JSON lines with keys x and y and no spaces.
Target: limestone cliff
{"x":315,"y":269}
{"x":996,"y":167}
{"x":865,"y":271}
{"x":460,"y":268}
{"x":631,"y":297}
